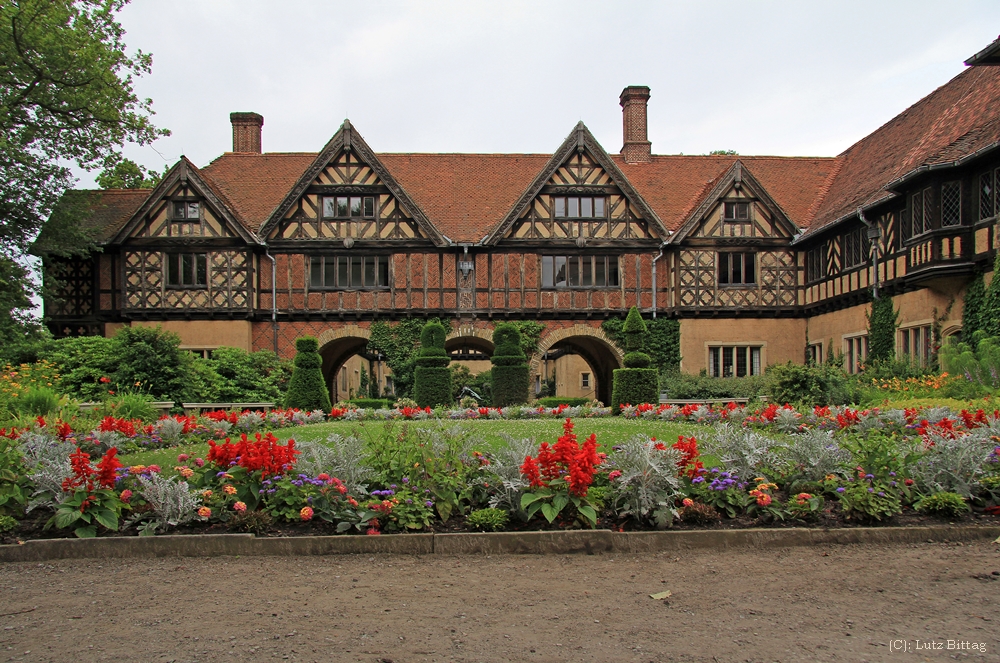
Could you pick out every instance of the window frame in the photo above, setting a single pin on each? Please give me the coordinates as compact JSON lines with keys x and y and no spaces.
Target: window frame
{"x":185,"y":205}
{"x":725,"y":356}
{"x":855,"y":352}
{"x":335,"y":198}
{"x":956,"y":222}
{"x":556,"y":199}
{"x":816,"y":264}
{"x":173,"y":266}
{"x":926,"y":211}
{"x":550,"y":269}
{"x":728,"y":282}
{"x":737,"y":205}
{"x":343,"y":268}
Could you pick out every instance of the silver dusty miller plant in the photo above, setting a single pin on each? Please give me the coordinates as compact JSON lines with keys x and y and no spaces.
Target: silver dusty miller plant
{"x":954,"y":464}
{"x":47,"y":458}
{"x":173,"y":502}
{"x":744,"y":450}
{"x":169,"y":430}
{"x":342,"y":457}
{"x":813,"y":454}
{"x":505,"y":468}
{"x":647,"y":486}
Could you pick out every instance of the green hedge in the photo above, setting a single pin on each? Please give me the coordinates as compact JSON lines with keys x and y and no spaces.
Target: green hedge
{"x":633,"y":386}
{"x":556,"y":401}
{"x":680,"y":386}
{"x":510,"y":367}
{"x":432,"y":377}
{"x":307,"y":389}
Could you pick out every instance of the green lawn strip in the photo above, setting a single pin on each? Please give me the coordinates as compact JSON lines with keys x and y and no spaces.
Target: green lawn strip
{"x":610,"y":431}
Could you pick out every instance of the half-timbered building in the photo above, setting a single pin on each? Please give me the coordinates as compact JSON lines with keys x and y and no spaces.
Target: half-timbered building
{"x":762,"y":259}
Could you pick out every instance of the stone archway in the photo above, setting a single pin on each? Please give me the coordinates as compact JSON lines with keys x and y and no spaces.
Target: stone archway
{"x":593,"y":345}
{"x":336,"y":346}
{"x":476,"y":338}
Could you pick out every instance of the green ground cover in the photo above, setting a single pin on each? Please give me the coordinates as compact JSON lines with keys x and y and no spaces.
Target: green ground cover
{"x":610,"y":431}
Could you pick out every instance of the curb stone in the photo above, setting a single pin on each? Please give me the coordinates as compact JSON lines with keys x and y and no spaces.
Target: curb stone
{"x":588,"y":542}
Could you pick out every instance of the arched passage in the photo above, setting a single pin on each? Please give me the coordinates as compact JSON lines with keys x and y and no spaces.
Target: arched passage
{"x":592,"y":345}
{"x":472,"y":348}
{"x":336,"y":347}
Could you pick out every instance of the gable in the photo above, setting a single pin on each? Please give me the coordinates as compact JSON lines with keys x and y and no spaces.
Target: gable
{"x":347,"y":194}
{"x":580,"y":195}
{"x":737,"y":207}
{"x":347,"y":199}
{"x":738,"y":213}
{"x":183,"y":206}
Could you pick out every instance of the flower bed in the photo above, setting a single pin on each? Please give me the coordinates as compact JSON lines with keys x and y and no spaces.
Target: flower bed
{"x":768,"y":466}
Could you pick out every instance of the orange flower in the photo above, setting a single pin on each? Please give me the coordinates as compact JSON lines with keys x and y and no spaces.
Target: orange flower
{"x":240,"y":506}
{"x":229,"y":490}
{"x":205,"y":512}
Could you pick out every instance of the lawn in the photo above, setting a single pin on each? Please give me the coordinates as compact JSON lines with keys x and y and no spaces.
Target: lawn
{"x":610,"y":431}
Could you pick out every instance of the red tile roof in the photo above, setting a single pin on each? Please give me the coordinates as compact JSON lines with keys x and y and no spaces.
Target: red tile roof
{"x":674,"y":185}
{"x":254,"y":184}
{"x":954,"y":121}
{"x":465,"y":195}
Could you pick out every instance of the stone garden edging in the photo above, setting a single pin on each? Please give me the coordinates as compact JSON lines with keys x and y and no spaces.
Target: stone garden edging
{"x":537,"y":543}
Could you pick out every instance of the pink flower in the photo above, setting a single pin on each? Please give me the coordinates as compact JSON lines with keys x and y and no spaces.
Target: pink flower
{"x":154,"y":468}
{"x":182,"y":457}
{"x":323,"y":477}
{"x":306,"y":513}
{"x":240,"y":506}
{"x":688,"y":501}
{"x":126,"y":495}
{"x":200,"y":462}
{"x":205,"y":512}
{"x":372,"y":532}
{"x":614,"y":474}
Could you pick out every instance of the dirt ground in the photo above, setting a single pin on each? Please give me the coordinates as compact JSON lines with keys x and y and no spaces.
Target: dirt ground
{"x":831,"y":603}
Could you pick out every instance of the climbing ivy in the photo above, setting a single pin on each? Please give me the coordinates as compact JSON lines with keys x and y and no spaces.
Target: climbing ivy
{"x":662,"y":340}
{"x":972,"y":309}
{"x":399,"y":343}
{"x":882,"y":330}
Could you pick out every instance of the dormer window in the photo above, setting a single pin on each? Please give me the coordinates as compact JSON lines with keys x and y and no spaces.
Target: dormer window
{"x":736,"y":212}
{"x":186,"y":210}
{"x":579,"y":207}
{"x":349,"y":207}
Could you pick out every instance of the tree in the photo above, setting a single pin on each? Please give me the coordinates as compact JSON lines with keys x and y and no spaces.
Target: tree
{"x":510,"y":366}
{"x":127,"y":174}
{"x":636,"y":383}
{"x":432,"y":379}
{"x":307,"y":390}
{"x":882,"y":330}
{"x":66,"y":97}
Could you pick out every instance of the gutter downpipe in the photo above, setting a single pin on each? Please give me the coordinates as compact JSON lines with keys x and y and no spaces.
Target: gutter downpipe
{"x":662,"y":246}
{"x":274,"y":297}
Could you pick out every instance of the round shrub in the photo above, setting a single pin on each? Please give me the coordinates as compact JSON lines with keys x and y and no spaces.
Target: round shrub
{"x":431,"y":377}
{"x":510,"y":367}
{"x":635,"y":383}
{"x":487,"y":520}
{"x":808,"y":385}
{"x":943,"y":504}
{"x":307,"y":390}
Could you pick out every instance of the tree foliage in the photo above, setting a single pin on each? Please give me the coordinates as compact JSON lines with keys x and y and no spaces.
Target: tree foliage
{"x":989,"y":317}
{"x":127,"y":174}
{"x":399,"y":344}
{"x":307,"y":389}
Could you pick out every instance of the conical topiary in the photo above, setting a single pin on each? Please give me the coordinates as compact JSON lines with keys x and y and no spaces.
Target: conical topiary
{"x":432,"y":377}
{"x":307,"y":389}
{"x":636,"y":383}
{"x":510,"y":366}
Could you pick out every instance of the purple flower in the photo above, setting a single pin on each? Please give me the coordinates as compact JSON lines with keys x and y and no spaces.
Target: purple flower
{"x":871,"y":490}
{"x":869,"y":476}
{"x":406,"y":479}
{"x":892,"y":474}
{"x":881,"y":494}
{"x":697,"y":480}
{"x":841,"y":489}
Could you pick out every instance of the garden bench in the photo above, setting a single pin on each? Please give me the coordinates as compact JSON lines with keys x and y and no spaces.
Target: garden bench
{"x":162,"y":406}
{"x":198,"y":408}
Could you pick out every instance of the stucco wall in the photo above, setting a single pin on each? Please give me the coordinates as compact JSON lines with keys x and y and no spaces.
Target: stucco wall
{"x":781,"y":339}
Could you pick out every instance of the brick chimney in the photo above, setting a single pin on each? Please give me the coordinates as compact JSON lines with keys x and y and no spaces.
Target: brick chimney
{"x":246,"y":131}
{"x":636,"y":149}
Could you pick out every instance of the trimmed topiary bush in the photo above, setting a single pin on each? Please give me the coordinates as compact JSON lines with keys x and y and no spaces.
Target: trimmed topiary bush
{"x":307,"y":389}
{"x":432,"y":377}
{"x":636,"y":383}
{"x":510,"y":367}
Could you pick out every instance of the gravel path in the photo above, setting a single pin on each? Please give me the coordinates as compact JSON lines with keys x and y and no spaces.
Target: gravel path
{"x":833,"y":603}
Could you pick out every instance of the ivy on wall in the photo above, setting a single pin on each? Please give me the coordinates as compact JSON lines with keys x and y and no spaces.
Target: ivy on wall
{"x":399,"y":343}
{"x":662,"y":342}
{"x":882,"y":323}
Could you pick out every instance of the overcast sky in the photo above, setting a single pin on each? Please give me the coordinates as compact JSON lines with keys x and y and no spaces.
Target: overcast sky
{"x":784,"y":78}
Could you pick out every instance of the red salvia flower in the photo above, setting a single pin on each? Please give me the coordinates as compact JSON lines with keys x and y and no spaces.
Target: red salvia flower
{"x":106,"y":468}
